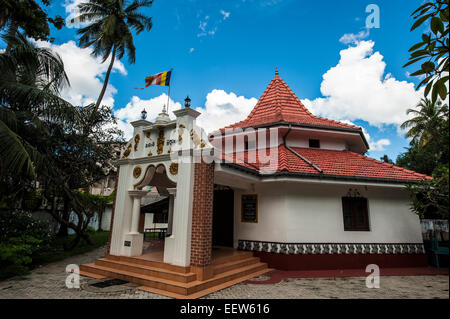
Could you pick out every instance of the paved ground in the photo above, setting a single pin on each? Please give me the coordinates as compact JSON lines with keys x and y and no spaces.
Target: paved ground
{"x":49,"y":282}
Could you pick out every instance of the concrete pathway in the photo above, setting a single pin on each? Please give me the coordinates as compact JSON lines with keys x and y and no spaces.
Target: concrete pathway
{"x":49,"y":282}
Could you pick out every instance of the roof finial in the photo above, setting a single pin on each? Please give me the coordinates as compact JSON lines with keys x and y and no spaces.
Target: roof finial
{"x":276,"y":70}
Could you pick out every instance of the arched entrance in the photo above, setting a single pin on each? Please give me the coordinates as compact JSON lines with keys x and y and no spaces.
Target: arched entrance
{"x":157,"y":202}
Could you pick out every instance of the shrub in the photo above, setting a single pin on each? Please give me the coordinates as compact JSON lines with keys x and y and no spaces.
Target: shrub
{"x":21,"y":238}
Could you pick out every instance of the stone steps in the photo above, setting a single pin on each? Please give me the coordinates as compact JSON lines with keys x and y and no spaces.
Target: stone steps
{"x":226,"y":266}
{"x":147,"y":270}
{"x":177,"y":283}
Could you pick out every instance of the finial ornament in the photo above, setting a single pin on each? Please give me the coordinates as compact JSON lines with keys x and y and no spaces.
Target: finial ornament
{"x":164,"y":108}
{"x":187,"y":102}
{"x":276,"y":70}
{"x":143,"y":114}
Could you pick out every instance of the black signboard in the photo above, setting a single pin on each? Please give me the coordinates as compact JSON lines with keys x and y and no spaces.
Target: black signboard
{"x":249,"y":208}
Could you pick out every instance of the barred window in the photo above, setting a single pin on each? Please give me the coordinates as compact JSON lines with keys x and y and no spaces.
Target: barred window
{"x":355,"y":211}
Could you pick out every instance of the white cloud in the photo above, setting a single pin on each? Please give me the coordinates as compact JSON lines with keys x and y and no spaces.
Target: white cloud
{"x":354,"y":38}
{"x":225,"y":14}
{"x":132,"y":111}
{"x":379,"y":145}
{"x":357,"y":88}
{"x":222,"y":109}
{"x":191,"y":50}
{"x":85,"y":74}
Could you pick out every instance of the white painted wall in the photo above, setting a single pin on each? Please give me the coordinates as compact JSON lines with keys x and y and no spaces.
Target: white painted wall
{"x":106,"y":218}
{"x":312,"y":213}
{"x":327,"y":143}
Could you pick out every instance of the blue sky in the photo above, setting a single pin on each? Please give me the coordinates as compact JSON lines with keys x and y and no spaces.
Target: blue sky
{"x":225,"y":52}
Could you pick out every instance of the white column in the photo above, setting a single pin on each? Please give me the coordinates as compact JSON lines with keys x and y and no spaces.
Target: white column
{"x":172,"y":195}
{"x":135,"y":216}
{"x":133,"y":240}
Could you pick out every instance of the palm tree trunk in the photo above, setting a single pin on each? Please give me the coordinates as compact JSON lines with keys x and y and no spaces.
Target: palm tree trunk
{"x":105,"y":84}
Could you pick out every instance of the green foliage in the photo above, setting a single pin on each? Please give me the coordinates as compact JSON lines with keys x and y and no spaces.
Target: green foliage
{"x":430,"y":197}
{"x":427,"y":121}
{"x":386,"y":159}
{"x":44,"y":138}
{"x":428,"y":154}
{"x":57,"y":252}
{"x":433,"y":48}
{"x":95,"y":202}
{"x":28,"y":15}
{"x":429,"y":130}
{"x":21,"y":238}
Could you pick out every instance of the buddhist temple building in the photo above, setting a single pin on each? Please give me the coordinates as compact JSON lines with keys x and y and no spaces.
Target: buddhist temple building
{"x":282,"y":189}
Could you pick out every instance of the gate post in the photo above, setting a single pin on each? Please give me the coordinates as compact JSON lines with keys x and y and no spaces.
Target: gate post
{"x":202,"y":215}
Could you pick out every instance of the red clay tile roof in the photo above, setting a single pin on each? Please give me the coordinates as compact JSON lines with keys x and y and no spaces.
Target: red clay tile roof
{"x":279,"y":104}
{"x":331,"y":162}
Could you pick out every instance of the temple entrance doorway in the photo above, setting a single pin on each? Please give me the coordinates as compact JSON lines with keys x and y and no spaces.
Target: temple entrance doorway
{"x":156,"y":209}
{"x":223,"y":216}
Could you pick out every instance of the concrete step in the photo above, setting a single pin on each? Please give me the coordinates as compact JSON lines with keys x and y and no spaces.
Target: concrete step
{"x":91,"y":275}
{"x":181,"y":288}
{"x":238,"y":255}
{"x":149,"y":263}
{"x":147,"y":270}
{"x":220,"y":268}
{"x":206,"y":291}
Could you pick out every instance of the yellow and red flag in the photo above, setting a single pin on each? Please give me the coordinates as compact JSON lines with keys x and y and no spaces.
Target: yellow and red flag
{"x":162,"y":78}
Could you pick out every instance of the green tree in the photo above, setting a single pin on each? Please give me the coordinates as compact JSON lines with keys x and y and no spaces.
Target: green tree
{"x":426,"y":121}
{"x":109,"y":32}
{"x":430,"y":197}
{"x":428,"y":153}
{"x":28,"y":15}
{"x":386,"y":159}
{"x":433,"y":48}
{"x":44,"y":138}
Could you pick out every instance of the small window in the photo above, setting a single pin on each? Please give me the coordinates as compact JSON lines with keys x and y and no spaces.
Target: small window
{"x":355,"y":211}
{"x":249,"y":212}
{"x":246,"y":145}
{"x":314,"y":143}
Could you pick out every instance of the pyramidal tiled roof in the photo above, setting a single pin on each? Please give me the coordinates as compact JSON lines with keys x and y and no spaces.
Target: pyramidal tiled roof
{"x":279,"y":104}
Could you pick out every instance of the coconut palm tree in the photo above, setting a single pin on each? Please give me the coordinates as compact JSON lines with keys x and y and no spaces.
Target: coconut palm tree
{"x":30,"y":82}
{"x":109,"y":32}
{"x":422,"y":127}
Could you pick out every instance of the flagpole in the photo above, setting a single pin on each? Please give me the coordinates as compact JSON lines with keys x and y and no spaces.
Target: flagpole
{"x":168,"y":98}
{"x":168,"y":92}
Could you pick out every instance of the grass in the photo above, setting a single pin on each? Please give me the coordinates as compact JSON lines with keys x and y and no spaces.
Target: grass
{"x":57,"y":252}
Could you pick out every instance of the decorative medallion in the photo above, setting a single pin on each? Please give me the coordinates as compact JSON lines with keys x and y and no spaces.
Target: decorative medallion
{"x":127,"y":151}
{"x":136,"y":142}
{"x":181,"y":128}
{"x":196,"y":139}
{"x":173,"y":168}
{"x":169,"y":150}
{"x":137,"y":171}
{"x":147,"y":135}
{"x":150,"y":153}
{"x":160,"y":143}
